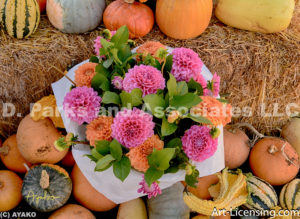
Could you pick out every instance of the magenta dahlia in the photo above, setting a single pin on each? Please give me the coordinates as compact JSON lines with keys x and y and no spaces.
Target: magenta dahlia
{"x":201,"y":80}
{"x":145,"y":77}
{"x":132,"y":127}
{"x":82,"y":104}
{"x":117,"y":82}
{"x":186,"y":64}
{"x":151,"y":191}
{"x":198,"y":144}
{"x":97,"y":42}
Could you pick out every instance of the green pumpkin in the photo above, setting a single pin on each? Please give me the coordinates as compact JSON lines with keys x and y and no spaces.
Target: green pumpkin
{"x":20,"y":18}
{"x":46,"y":187}
{"x":262,"y":195}
{"x":290,"y":195}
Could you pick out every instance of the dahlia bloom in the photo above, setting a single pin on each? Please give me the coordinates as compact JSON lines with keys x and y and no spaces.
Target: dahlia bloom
{"x":82,"y":104}
{"x":138,"y":155}
{"x":117,"y":82}
{"x":214,"y":85}
{"x":99,"y":129}
{"x":84,"y":74}
{"x":198,"y":144}
{"x":97,"y":42}
{"x":151,"y":191}
{"x":186,"y":64}
{"x":147,"y":78}
{"x":132,"y":127}
{"x":201,"y":80}
{"x":150,"y":47}
{"x":212,"y":109}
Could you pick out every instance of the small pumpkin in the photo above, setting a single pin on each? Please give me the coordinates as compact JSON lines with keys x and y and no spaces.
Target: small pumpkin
{"x":138,"y":17}
{"x":236,"y":147}
{"x":291,"y":133}
{"x":68,"y":160}
{"x":46,"y":187}
{"x":86,"y":195}
{"x":10,"y":190}
{"x":11,"y":157}
{"x":20,"y":19}
{"x":262,"y":195}
{"x":36,"y":141}
{"x":134,"y":209}
{"x":42,"y":4}
{"x":183,"y":19}
{"x":168,"y":204}
{"x":72,"y":211}
{"x":289,"y":196}
{"x":75,"y":16}
{"x":274,"y":160}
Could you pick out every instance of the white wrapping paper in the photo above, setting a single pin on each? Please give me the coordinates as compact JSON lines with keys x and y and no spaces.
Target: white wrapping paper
{"x":105,"y":182}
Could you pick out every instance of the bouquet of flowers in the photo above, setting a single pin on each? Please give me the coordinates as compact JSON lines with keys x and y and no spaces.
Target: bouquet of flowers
{"x":148,"y":110}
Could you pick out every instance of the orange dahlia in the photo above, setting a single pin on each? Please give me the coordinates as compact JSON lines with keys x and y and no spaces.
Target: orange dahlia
{"x":99,"y":129}
{"x":150,"y":47}
{"x":84,"y":74}
{"x":138,"y":155}
{"x":212,"y":109}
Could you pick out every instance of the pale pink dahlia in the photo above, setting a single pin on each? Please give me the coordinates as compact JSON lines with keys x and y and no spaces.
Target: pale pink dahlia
{"x":151,"y":191}
{"x":147,"y":78}
{"x":198,"y":144}
{"x":132,"y":127}
{"x":117,"y":82}
{"x":186,"y":64}
{"x":97,"y":42}
{"x":82,"y":104}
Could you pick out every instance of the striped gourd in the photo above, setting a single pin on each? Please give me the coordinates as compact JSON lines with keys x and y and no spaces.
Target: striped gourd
{"x":20,"y":18}
{"x":290,"y":195}
{"x":261,"y":195}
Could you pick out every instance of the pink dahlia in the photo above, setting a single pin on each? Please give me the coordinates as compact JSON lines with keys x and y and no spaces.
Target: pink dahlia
{"x":82,"y":104}
{"x":118,"y":82}
{"x":132,"y":127}
{"x":201,"y":80}
{"x":214,"y":85}
{"x":97,"y":42}
{"x":147,"y":78}
{"x":186,"y":64}
{"x":151,"y":191}
{"x":198,"y":144}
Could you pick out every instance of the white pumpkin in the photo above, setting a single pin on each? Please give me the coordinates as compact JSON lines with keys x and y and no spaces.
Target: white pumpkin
{"x":75,"y":16}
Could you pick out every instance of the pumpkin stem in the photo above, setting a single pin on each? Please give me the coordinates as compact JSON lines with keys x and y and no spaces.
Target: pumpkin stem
{"x":272,"y":149}
{"x":4,"y":150}
{"x":26,"y":166}
{"x":44,"y":181}
{"x":286,"y":157}
{"x":129,"y":1}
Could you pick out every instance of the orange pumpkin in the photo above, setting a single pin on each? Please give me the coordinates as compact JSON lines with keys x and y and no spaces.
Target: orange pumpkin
{"x":86,"y":195}
{"x":68,"y":160}
{"x":72,"y":211}
{"x":236,"y":148}
{"x":11,"y":157}
{"x":183,"y":19}
{"x":138,"y":17}
{"x":274,"y":160}
{"x":10,"y":190}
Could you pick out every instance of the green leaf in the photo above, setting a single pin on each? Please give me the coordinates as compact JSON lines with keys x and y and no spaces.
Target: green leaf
{"x":102,"y":147}
{"x":188,"y":100}
{"x":169,"y":63}
{"x":154,"y":101}
{"x":175,"y":142}
{"x":195,"y":87}
{"x":104,"y":162}
{"x":167,"y":128}
{"x":96,"y":154}
{"x":94,"y":59}
{"x":105,"y":44}
{"x":173,"y":169}
{"x":152,"y":175}
{"x":122,"y":168}
{"x":192,"y":180}
{"x":126,"y":98}
{"x":100,"y":82}
{"x":101,"y":70}
{"x":199,"y":119}
{"x":172,"y":86}
{"x":111,"y":97}
{"x":116,"y":150}
{"x":160,"y":159}
{"x":136,"y":95}
{"x":222,"y":100}
{"x":121,"y":37}
{"x":114,"y":52}
{"x":124,"y":52}
{"x":91,"y":157}
{"x":107,"y":63}
{"x":182,"y":88}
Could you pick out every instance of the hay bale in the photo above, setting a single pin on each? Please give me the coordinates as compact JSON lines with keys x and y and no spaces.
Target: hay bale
{"x":255,"y":68}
